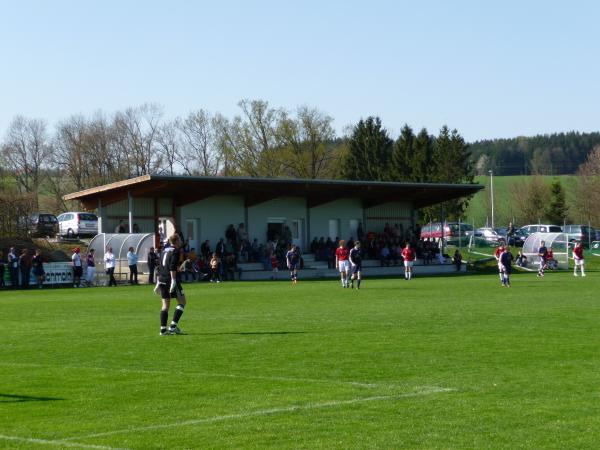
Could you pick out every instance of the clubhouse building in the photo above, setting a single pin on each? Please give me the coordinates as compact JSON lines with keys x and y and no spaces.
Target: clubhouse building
{"x":203,"y":207}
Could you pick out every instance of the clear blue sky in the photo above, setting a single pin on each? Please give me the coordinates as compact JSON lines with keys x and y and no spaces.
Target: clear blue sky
{"x":489,"y":69}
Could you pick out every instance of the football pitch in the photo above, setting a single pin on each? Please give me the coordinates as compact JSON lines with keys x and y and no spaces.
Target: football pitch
{"x":437,"y":362}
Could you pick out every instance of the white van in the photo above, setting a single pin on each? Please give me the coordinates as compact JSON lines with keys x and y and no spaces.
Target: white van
{"x":75,"y":224}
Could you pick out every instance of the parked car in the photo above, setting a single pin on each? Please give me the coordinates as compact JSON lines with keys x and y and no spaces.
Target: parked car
{"x":583,"y":233}
{"x":488,"y":234}
{"x":451,"y":230}
{"x":41,"y":224}
{"x":537,"y":228}
{"x":517,"y":239}
{"x":74,"y":224}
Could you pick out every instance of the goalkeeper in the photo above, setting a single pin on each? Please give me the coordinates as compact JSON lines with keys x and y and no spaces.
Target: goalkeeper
{"x":168,"y":286}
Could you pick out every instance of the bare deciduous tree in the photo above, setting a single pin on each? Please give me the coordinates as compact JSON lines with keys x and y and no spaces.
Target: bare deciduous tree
{"x":250,"y":141}
{"x":136,"y":131}
{"x":200,"y":152}
{"x":306,"y":142}
{"x":26,"y":152}
{"x":588,"y":189}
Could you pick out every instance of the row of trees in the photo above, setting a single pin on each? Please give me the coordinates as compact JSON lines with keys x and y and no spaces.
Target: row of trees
{"x":445,"y":158}
{"x":553,"y":154}
{"x":261,"y":141}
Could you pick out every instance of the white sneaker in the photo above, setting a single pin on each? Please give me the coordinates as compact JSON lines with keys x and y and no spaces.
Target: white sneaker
{"x":583,"y":274}
{"x":175,"y":330}
{"x":165,"y":333}
{"x":575,"y":275}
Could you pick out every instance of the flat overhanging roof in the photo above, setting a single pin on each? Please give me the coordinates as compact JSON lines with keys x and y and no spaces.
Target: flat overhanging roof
{"x":188,"y":189}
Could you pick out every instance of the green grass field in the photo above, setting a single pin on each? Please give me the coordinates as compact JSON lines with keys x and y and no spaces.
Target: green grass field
{"x":437,"y":362}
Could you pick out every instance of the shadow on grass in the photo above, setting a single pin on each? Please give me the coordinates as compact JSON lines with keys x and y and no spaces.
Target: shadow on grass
{"x":12,"y":398}
{"x":251,"y":333}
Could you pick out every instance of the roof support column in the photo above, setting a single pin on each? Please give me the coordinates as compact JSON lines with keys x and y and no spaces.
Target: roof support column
{"x":130,"y":208}
{"x":100,"y":214}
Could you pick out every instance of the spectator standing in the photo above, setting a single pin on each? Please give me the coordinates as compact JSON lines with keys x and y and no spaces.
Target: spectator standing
{"x":205,"y":250}
{"x":274,"y":267}
{"x":152,"y":261}
{"x":457,"y":259}
{"x":77,"y":267}
{"x":109,"y":264}
{"x":220,"y":248}
{"x":13,"y":267}
{"x":25,"y":266}
{"x":214,"y":268}
{"x":578,"y":258}
{"x":132,"y":260}
{"x":120,"y":228}
{"x":37,"y":265}
{"x":90,"y":270}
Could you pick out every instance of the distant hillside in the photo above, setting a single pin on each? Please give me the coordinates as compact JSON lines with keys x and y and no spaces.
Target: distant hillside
{"x":479,"y":210}
{"x":554,"y":154}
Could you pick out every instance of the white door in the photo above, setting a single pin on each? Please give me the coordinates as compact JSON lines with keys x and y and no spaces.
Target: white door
{"x":353,"y":228}
{"x":191,"y":232}
{"x":334,"y":228}
{"x":298,"y":233}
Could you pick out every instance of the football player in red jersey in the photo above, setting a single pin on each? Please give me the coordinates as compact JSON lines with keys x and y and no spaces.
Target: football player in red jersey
{"x":409,"y":256}
{"x":342,"y":263}
{"x":579,"y":259}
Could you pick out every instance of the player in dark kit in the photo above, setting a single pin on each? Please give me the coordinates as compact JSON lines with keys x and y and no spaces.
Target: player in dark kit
{"x":543,"y":254}
{"x":506,"y":258}
{"x":293,"y":262}
{"x":168,"y":285}
{"x":355,"y":258}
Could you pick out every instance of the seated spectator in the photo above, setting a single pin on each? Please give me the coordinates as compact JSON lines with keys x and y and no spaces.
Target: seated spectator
{"x":457,"y":259}
{"x":187,"y":270}
{"x":521,"y":260}
{"x":552,"y":263}
{"x":384,"y":256}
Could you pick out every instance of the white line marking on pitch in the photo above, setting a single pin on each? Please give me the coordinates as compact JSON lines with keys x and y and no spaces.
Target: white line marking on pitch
{"x":57,"y":442}
{"x":207,"y":375}
{"x":263,"y":412}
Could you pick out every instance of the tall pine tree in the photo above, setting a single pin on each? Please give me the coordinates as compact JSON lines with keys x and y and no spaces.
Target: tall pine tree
{"x":369,"y":152}
{"x":401,"y":167}
{"x":421,"y":162}
{"x":557,"y":208}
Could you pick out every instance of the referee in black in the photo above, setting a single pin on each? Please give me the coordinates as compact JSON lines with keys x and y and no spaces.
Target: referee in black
{"x":169,"y":286}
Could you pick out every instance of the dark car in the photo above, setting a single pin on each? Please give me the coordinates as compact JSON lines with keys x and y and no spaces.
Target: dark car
{"x":42,"y":224}
{"x":583,"y":233}
{"x":517,"y":239}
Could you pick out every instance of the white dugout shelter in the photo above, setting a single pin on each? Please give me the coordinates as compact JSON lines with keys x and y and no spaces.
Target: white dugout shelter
{"x":557,"y":241}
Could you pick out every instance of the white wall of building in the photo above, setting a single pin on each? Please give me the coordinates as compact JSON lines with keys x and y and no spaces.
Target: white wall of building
{"x":346,"y":212}
{"x":286,"y":209}
{"x":210,"y":217}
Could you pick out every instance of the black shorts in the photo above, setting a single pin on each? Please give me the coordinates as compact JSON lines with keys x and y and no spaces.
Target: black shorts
{"x":166,"y":287}
{"x":77,"y":271}
{"x":356,"y":268}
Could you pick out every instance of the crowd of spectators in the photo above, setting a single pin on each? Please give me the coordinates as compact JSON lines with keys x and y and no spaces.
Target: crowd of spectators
{"x":220,"y":261}
{"x":385,"y":246}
